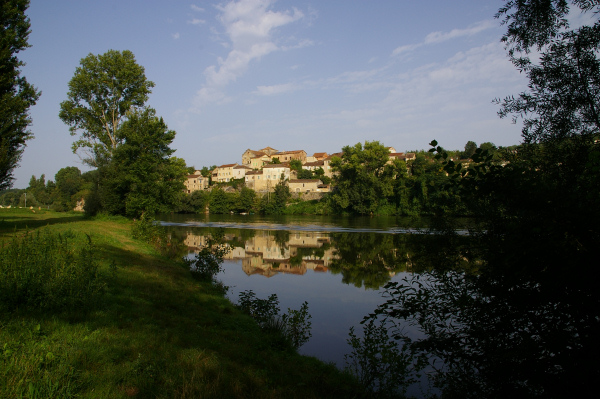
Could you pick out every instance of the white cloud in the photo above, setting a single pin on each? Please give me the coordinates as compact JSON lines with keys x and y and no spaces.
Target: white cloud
{"x":210,"y":95}
{"x":405,"y":49}
{"x":175,"y":35}
{"x":439,"y":37}
{"x":250,"y":26}
{"x":196,"y":8}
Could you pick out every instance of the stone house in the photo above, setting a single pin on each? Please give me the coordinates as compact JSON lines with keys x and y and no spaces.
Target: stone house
{"x":410,"y":156}
{"x":320,"y":156}
{"x":287,"y":156}
{"x":249,"y":154}
{"x":239,"y":171}
{"x":254,"y":180}
{"x":259,"y":161}
{"x":312,"y":166}
{"x":223,"y":173}
{"x":307,"y":186}
{"x":195,"y":182}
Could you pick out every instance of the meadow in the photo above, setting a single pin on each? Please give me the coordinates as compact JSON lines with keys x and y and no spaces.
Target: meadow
{"x":88,"y":311}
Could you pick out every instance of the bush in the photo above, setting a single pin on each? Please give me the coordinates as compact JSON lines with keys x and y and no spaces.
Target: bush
{"x":49,"y":271}
{"x":294,"y":326}
{"x":207,"y":263}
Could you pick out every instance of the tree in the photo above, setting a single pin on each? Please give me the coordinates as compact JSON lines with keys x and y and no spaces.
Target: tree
{"x":296,"y":164}
{"x":142,"y":177}
{"x":470,"y":149}
{"x":104,"y":91}
{"x":564,"y":86}
{"x":16,"y":94}
{"x":39,"y":189}
{"x":363,"y":179}
{"x":247,"y":200}
{"x":68,"y":182}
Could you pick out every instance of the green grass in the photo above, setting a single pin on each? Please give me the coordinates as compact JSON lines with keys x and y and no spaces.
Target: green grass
{"x":155,"y":332}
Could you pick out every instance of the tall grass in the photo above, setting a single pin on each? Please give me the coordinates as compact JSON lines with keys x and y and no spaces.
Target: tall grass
{"x":46,"y":271}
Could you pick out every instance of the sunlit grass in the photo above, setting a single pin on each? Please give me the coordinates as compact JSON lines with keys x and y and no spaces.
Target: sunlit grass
{"x":154,"y":333}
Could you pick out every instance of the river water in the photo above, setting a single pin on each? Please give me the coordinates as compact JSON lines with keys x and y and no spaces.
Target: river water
{"x":338,"y":265}
{"x":534,"y":329}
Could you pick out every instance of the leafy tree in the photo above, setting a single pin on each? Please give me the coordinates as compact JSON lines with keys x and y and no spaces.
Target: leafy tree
{"x":247,"y":199}
{"x":305,"y":174}
{"x":194,"y":202}
{"x":274,"y":204}
{"x":142,"y":176}
{"x":564,"y":86}
{"x":16,"y":94}
{"x":11,"y":197}
{"x":275,"y":160}
{"x":219,"y":202}
{"x":102,"y":93}
{"x":39,"y":189}
{"x":296,"y":164}
{"x":363,"y":178}
{"x":68,"y":183}
{"x":470,"y":149}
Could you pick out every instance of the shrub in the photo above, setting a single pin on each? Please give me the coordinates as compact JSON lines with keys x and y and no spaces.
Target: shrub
{"x":293,"y":326}
{"x":207,"y":262}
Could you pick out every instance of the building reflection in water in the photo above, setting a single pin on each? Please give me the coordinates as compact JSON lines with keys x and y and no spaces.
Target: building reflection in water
{"x":267,"y":254}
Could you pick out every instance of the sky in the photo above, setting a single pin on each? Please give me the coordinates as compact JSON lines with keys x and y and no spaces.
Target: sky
{"x":289,"y":74}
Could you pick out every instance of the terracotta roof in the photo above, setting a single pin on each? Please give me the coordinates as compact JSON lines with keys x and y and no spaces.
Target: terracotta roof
{"x":229,"y":165}
{"x":289,"y":152}
{"x":276,"y":165}
{"x":242,"y":167}
{"x":337,"y":154}
{"x":319,"y":154}
{"x":316,"y":163}
{"x":193,"y":176}
{"x":254,"y":172}
{"x":305,"y":181}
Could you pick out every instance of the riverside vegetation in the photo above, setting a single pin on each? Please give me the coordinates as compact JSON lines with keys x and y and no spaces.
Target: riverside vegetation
{"x":88,"y":311}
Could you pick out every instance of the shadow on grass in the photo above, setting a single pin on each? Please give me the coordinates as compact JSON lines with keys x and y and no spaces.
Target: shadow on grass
{"x":10,"y":224}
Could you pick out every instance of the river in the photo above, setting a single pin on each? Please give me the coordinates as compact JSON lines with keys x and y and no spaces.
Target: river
{"x":338,"y":265}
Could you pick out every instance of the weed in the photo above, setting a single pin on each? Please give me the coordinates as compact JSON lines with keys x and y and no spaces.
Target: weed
{"x":49,"y":271}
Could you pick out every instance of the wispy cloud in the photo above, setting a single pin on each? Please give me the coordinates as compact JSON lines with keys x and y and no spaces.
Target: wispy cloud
{"x":276,"y":89}
{"x":196,"y":8}
{"x":250,"y":27}
{"x":196,"y":21}
{"x":439,"y":37}
{"x":175,"y":35}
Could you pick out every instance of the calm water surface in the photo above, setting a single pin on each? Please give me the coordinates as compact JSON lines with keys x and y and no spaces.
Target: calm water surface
{"x":338,"y":265}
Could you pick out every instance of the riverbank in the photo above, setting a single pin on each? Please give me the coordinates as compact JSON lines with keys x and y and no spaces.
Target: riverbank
{"x":154,"y":332}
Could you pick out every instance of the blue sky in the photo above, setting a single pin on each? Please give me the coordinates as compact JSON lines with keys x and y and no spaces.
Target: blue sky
{"x":290,"y":74}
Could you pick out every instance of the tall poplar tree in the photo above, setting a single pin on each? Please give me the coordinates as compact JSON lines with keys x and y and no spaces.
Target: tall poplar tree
{"x":16,"y":94}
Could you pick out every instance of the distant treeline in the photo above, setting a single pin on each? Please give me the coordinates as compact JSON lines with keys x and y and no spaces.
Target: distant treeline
{"x":366,"y":183}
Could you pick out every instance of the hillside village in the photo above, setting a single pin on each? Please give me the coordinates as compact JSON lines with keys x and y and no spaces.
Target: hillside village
{"x":261,"y":170}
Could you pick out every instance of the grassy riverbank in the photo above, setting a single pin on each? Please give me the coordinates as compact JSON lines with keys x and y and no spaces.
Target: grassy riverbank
{"x":154,"y":332}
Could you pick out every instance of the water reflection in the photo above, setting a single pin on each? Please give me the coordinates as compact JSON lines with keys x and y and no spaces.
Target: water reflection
{"x":366,"y":260}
